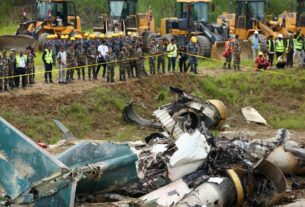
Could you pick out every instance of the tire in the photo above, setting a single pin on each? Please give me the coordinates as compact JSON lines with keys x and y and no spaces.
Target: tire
{"x":263,"y":44}
{"x":168,"y":37}
{"x":42,"y":38}
{"x":147,"y":39}
{"x":205,"y":46}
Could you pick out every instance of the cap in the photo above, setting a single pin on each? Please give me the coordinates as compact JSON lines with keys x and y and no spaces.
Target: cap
{"x":129,"y":33}
{"x":256,"y":32}
{"x":72,"y":38}
{"x":280,"y":36}
{"x":260,"y":54}
{"x":194,"y":39}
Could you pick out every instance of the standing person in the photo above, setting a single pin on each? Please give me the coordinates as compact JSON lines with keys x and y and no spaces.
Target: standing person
{"x":102,"y":57}
{"x":228,"y":53}
{"x":172,"y":55}
{"x":111,"y":66}
{"x":20,"y":69}
{"x":134,"y":61}
{"x":30,"y":67}
{"x":279,"y":46}
{"x":5,"y":69}
{"x":123,"y":63}
{"x":11,"y":72}
{"x":161,"y":59}
{"x":91,"y":56}
{"x":62,"y":65}
{"x":236,"y":53}
{"x":152,"y":58}
{"x":289,"y":51}
{"x":47,"y":58}
{"x":193,"y":50}
{"x":271,"y":49}
{"x":299,"y":42}
{"x":81,"y":61}
{"x":128,"y":63}
{"x":141,"y":61}
{"x":255,"y":44}
{"x":182,"y":57}
{"x":1,"y":74}
{"x":71,"y":63}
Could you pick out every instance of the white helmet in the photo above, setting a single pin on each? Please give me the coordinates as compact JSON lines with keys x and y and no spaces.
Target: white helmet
{"x":256,"y":32}
{"x":280,"y":36}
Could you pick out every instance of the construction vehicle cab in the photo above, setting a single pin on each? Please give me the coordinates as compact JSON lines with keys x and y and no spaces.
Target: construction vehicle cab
{"x":192,"y":20}
{"x":123,"y":17}
{"x":50,"y":17}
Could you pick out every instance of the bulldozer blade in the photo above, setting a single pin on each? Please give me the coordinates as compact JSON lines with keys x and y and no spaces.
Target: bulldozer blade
{"x":218,"y":48}
{"x":8,"y":42}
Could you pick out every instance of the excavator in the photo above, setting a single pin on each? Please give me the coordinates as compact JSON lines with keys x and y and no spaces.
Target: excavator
{"x":123,"y":17}
{"x":192,"y":20}
{"x":51,"y":17}
{"x":249,"y":17}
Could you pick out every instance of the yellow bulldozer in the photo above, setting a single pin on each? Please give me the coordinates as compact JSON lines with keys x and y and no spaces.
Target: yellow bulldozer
{"x":250,"y":17}
{"x":51,"y":17}
{"x":123,"y":17}
{"x":294,"y":20}
{"x":192,"y":20}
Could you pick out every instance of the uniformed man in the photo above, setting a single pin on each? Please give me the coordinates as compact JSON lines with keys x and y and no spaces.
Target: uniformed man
{"x":47,"y":58}
{"x":111,"y":59}
{"x":134,"y":62}
{"x":161,"y":49}
{"x":11,"y":72}
{"x":30,"y":68}
{"x":123,"y":63}
{"x":81,"y":61}
{"x":71,"y":62}
{"x":152,"y":58}
{"x":91,"y":56}
{"x":193,"y":50}
{"x":141,"y":61}
{"x":236,"y":52}
{"x":5,"y":69}
{"x":129,"y":62}
{"x":1,"y":74}
{"x":279,"y":46}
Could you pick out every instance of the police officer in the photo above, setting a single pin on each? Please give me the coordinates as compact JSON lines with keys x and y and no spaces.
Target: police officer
{"x":279,"y":46}
{"x":123,"y":63}
{"x":193,"y":50}
{"x":5,"y":69}
{"x":71,"y":61}
{"x":30,"y":67}
{"x":152,"y":58}
{"x":11,"y":72}
{"x":299,"y":42}
{"x":271,"y":49}
{"x":47,"y":58}
{"x":141,"y":61}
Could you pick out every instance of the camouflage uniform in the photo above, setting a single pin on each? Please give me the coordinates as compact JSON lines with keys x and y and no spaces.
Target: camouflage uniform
{"x":1,"y":74}
{"x":11,"y":72}
{"x":161,"y":59}
{"x":91,"y":55}
{"x":193,"y":61}
{"x":128,"y":64}
{"x":81,"y":61}
{"x":236,"y":54}
{"x":133,"y":63}
{"x":5,"y":69}
{"x":123,"y":64}
{"x":141,"y":62}
{"x":71,"y":63}
{"x":110,"y":67}
{"x":152,"y":60}
{"x":30,"y":68}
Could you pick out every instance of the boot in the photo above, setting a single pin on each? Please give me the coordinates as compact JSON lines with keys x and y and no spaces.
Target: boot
{"x":224,"y":65}
{"x":229,"y":66}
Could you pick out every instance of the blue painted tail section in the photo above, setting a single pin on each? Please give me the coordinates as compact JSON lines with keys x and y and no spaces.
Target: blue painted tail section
{"x":23,"y":162}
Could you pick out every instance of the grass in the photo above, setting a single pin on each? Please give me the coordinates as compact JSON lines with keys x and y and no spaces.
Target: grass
{"x":8,"y":30}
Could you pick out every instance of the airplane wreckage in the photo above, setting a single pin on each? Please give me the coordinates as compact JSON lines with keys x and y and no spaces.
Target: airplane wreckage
{"x":181,"y":165}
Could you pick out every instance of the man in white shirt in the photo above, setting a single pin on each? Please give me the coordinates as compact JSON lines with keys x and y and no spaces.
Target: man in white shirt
{"x":62,"y":65}
{"x":102,"y":58}
{"x":20,"y":69}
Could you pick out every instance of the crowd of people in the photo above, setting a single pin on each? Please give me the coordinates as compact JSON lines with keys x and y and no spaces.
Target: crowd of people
{"x":285,"y":51}
{"x":83,"y":58}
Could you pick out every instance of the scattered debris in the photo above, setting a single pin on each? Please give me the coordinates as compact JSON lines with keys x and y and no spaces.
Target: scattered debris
{"x":181,"y":165}
{"x":252,"y":115}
